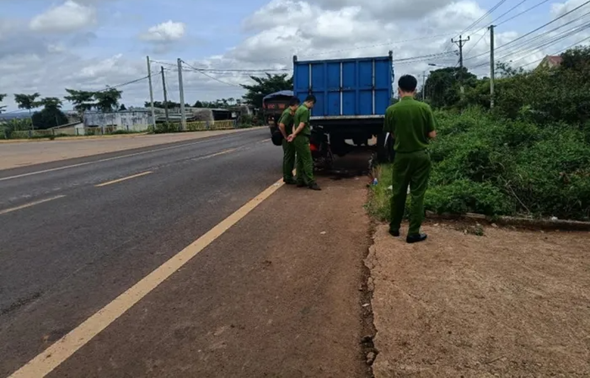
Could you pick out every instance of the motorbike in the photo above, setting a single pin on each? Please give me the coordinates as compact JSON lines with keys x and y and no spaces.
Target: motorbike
{"x":322,"y":156}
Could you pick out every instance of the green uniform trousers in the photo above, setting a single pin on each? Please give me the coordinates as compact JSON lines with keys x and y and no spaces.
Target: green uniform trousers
{"x":288,"y":160}
{"x":304,"y":160}
{"x":409,"y":169}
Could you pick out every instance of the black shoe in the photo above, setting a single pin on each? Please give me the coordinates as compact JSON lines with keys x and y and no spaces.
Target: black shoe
{"x":290,"y":182}
{"x":411,"y":239}
{"x":314,"y":186}
{"x":394,"y":233}
{"x":301,"y":185}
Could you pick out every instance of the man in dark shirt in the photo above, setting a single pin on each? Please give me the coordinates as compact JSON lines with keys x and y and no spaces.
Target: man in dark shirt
{"x":411,"y":123}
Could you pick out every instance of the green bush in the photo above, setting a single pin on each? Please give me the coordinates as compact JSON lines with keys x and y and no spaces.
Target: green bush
{"x":167,"y":127}
{"x":495,"y":166}
{"x":529,"y":155}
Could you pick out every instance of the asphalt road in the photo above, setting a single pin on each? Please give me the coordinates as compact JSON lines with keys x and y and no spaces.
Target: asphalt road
{"x":78,"y":233}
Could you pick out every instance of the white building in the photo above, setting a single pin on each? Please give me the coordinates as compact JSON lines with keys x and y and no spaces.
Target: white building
{"x":128,"y":120}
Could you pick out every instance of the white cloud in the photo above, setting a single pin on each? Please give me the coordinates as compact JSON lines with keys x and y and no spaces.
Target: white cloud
{"x":168,"y":31}
{"x":67,"y":17}
{"x":275,"y":32}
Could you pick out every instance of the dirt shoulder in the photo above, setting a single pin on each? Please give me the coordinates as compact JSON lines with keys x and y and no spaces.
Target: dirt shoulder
{"x":21,"y":154}
{"x":509,"y":303}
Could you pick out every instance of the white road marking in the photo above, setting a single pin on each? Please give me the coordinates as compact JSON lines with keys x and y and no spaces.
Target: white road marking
{"x":2,"y":212}
{"x":123,"y":179}
{"x":65,"y":347}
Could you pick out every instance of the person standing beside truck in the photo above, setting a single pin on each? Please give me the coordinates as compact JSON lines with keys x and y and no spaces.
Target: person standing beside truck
{"x":300,"y":139}
{"x":412,"y":124}
{"x":286,"y":129}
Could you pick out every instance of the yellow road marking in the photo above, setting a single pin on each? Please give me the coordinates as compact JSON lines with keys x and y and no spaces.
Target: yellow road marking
{"x":2,"y":212}
{"x":65,"y":347}
{"x":123,"y":179}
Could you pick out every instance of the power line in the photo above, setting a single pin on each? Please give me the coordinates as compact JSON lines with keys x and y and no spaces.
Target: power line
{"x":502,"y":15}
{"x":548,"y":32}
{"x":551,"y":41}
{"x":473,"y":24}
{"x":539,"y":28}
{"x":476,"y":43}
{"x":510,"y":10}
{"x":124,"y":84}
{"x":548,"y":23}
{"x":377,"y":45}
{"x":527,"y":43}
{"x":523,"y":12}
{"x":559,"y":52}
{"x":209,"y":76}
{"x":222,"y":70}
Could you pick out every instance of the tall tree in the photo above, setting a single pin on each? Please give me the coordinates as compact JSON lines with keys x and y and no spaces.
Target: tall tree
{"x":28,"y":102}
{"x":50,"y":103}
{"x":2,"y":96}
{"x":122,"y":107}
{"x":108,"y":100}
{"x":82,"y":100}
{"x":577,"y":59}
{"x":442,"y":86}
{"x":266,"y":85}
{"x":50,"y":115}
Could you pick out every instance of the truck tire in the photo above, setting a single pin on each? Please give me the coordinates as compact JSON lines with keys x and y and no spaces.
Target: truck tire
{"x":384,"y":148}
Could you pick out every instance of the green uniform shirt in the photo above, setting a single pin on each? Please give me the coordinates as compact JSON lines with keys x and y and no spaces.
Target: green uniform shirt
{"x":287,"y":119}
{"x":410,"y":121}
{"x":302,"y":115}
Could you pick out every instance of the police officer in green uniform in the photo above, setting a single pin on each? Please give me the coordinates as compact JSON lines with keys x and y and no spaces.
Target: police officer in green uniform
{"x":286,"y":128}
{"x":300,"y":139}
{"x":411,"y":123}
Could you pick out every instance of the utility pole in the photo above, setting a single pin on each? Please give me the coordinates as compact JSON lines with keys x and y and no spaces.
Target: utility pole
{"x":461,"y":42}
{"x":165,"y":94}
{"x":149,"y":68}
{"x":180,"y":86}
{"x":492,"y":66}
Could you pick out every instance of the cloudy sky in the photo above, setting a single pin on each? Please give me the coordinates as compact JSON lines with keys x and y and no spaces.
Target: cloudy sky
{"x":49,"y":45}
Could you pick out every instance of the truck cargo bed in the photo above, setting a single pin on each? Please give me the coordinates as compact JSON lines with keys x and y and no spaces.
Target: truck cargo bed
{"x":345,"y":89}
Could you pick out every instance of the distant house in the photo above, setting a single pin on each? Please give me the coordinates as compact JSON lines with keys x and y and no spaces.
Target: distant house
{"x":128,"y":120}
{"x":550,"y":61}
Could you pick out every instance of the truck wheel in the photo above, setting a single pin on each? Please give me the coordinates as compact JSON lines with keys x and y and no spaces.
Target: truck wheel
{"x":384,"y":148}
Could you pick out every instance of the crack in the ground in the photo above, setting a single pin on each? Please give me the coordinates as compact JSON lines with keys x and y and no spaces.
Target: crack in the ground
{"x":369,"y":331}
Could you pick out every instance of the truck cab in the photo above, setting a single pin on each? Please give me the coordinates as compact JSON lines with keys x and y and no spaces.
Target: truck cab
{"x":273,"y":106}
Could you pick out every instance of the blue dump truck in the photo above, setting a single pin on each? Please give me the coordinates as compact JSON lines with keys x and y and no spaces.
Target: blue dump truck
{"x":352,"y":96}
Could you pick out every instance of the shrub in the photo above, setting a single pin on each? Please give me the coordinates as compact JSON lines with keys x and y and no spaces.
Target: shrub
{"x":166,"y":127}
{"x":486,"y":164}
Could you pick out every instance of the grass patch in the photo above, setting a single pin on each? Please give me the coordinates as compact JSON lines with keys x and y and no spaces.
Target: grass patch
{"x":380,"y":196}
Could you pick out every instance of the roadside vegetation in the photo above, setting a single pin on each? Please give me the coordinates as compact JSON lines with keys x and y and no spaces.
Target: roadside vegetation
{"x":528,"y":156}
{"x":43,"y":123}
